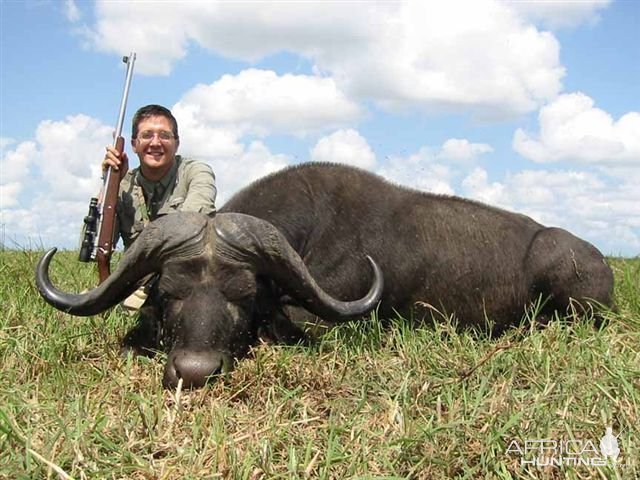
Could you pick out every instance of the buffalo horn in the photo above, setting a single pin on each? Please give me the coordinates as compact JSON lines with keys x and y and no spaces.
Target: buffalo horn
{"x":169,"y":236}
{"x":260,"y":243}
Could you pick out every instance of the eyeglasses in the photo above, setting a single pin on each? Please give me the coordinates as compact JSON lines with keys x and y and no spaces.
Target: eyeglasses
{"x":163,"y":135}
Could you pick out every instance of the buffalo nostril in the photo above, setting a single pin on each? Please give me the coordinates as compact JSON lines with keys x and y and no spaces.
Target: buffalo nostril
{"x":195,"y":368}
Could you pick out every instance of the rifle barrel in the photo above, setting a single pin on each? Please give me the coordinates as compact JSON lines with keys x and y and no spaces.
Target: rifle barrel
{"x":130,"y":60}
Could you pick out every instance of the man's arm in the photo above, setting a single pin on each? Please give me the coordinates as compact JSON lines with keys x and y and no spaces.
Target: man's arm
{"x":201,"y":189}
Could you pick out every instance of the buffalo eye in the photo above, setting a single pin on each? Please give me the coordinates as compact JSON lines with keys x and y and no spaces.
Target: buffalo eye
{"x":238,"y":287}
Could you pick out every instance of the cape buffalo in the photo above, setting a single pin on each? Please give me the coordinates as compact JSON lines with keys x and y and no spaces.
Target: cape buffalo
{"x":256,"y":264}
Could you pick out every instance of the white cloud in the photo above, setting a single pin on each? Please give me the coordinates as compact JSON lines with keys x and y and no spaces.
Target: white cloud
{"x":573,"y":129}
{"x":462,"y":150}
{"x":47,"y":182}
{"x":9,"y":194}
{"x":344,"y":146}
{"x":15,"y":163}
{"x":558,"y":13}
{"x":202,"y":139}
{"x":267,"y":27}
{"x":15,"y":168}
{"x":233,"y":173}
{"x":429,"y":57}
{"x":158,"y":35}
{"x":5,"y":142}
{"x":70,"y":153}
{"x":234,"y":164}
{"x":600,"y":210}
{"x":261,"y":102}
{"x":477,"y":186}
{"x":411,"y":55}
{"x":71,"y":11}
{"x":420,"y":172}
{"x":435,"y":170}
{"x":217,"y":119}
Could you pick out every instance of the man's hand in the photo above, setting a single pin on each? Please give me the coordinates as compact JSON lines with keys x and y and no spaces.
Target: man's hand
{"x":116,"y":161}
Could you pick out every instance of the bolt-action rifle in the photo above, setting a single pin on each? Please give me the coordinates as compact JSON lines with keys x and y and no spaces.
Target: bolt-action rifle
{"x":97,"y":242}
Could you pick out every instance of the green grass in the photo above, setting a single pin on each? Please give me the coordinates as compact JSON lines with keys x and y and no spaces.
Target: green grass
{"x":366,"y":402}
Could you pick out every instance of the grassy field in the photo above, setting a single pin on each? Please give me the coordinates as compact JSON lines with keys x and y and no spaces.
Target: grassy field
{"x":366,"y":402}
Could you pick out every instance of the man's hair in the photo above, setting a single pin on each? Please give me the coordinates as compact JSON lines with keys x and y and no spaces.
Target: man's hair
{"x":153,"y":111}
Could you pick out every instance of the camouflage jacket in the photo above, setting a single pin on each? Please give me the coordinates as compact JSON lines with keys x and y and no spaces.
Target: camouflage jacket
{"x":189,"y":186}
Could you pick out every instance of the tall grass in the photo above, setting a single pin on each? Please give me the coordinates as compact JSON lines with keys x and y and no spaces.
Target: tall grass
{"x":366,"y":401}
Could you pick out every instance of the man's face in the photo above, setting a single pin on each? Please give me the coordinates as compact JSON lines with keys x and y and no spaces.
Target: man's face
{"x":155,"y":150}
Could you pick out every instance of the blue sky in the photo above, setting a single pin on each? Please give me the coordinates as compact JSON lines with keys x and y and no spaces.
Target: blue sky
{"x":530,"y":106}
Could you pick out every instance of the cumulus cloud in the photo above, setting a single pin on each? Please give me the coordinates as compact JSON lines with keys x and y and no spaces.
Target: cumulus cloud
{"x":344,"y":146}
{"x":261,"y":102}
{"x":15,"y":163}
{"x":428,"y":57}
{"x":15,"y":166}
{"x":159,"y":40}
{"x":405,"y":55}
{"x":462,"y":150}
{"x":268,"y":27}
{"x":435,"y":170}
{"x":561,"y":14}
{"x":47,"y":182}
{"x":71,"y":11}
{"x":573,"y":129}
{"x":5,"y":142}
{"x":420,"y":173}
{"x":70,"y":153}
{"x":233,"y":173}
{"x":476,"y":185}
{"x":217,"y":121}
{"x":9,"y":192}
{"x":599,"y":209}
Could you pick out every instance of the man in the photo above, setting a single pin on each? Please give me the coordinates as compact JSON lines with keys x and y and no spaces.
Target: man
{"x":163,"y":183}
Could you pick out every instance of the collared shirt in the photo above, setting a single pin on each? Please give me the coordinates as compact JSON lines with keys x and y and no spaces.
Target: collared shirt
{"x":188,"y":186}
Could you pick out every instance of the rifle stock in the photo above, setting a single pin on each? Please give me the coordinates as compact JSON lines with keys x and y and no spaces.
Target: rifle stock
{"x":108,"y":216}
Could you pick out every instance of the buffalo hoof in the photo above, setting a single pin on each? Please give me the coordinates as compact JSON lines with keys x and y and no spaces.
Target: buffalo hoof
{"x":195,"y":368}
